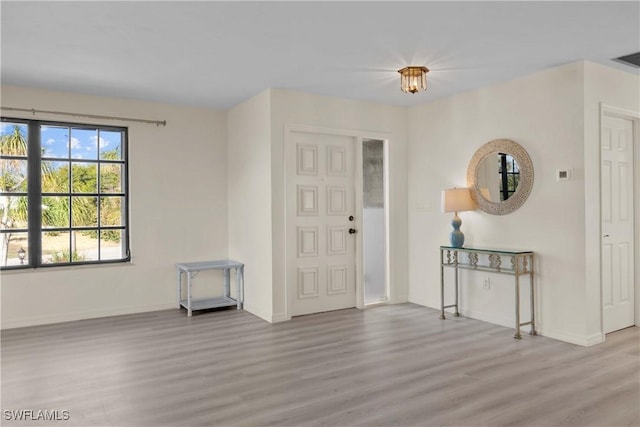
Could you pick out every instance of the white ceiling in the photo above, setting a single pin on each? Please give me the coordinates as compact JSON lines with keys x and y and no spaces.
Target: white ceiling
{"x":216,"y":54}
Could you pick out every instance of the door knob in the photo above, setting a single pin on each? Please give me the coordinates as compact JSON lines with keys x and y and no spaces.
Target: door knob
{"x":351,"y":218}
{"x":352,"y":231}
{"x":606,"y":235}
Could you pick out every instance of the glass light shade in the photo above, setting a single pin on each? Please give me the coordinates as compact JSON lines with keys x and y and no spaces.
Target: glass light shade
{"x":457,"y":200}
{"x":413,"y":79}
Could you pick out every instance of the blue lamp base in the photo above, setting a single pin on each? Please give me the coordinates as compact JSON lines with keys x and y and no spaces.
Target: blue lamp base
{"x":456,"y":237}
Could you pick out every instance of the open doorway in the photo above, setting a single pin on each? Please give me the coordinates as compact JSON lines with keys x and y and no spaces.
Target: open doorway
{"x":374,"y":214}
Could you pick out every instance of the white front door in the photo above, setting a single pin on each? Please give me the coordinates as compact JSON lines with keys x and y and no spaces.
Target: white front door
{"x":320,"y":191}
{"x":617,"y":223}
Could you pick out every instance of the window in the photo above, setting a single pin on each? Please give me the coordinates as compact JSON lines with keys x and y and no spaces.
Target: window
{"x":63,"y":194}
{"x":509,"y":175}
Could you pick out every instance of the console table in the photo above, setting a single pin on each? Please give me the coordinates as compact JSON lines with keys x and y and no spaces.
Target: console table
{"x":518,"y":263}
{"x":191,"y":269}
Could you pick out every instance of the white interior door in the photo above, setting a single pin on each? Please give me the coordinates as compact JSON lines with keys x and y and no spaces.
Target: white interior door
{"x":617,"y":191}
{"x":320,"y":188}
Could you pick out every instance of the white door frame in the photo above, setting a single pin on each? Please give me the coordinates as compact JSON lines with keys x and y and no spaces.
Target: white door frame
{"x":358,"y":136}
{"x":634,"y":116}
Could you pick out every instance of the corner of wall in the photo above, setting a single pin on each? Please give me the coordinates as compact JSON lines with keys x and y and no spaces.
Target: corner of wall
{"x":249,"y":199}
{"x":581,"y":340}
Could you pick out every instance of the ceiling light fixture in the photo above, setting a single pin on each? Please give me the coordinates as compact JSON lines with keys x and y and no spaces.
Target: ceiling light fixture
{"x":413,"y":79}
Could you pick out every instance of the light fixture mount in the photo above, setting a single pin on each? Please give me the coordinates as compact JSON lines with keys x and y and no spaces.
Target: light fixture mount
{"x":413,"y":78}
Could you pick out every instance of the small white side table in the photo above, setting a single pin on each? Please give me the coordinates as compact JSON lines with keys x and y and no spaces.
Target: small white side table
{"x":191,"y":269}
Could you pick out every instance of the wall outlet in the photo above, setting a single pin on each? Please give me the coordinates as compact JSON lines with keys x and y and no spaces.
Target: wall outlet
{"x":486,"y":285}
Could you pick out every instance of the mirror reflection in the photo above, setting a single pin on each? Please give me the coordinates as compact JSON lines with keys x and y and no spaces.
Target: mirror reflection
{"x":497,"y":177}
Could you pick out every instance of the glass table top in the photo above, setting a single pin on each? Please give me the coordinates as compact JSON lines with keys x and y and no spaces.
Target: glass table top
{"x":487,"y":250}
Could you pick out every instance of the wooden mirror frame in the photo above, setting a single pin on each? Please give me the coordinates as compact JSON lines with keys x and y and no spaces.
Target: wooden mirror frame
{"x":524,"y":185}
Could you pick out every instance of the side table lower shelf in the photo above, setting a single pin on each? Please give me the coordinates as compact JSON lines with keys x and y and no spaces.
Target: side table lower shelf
{"x":206,"y":303}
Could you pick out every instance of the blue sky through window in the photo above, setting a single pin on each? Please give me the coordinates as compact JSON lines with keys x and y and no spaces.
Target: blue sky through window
{"x":63,"y":142}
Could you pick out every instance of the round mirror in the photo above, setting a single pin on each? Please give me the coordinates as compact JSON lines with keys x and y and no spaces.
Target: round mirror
{"x":500,"y":176}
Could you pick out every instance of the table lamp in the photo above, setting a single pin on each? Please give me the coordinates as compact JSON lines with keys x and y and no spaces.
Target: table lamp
{"x":457,"y":200}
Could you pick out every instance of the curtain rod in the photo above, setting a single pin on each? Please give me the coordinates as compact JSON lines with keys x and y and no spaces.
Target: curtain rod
{"x":90,"y":116}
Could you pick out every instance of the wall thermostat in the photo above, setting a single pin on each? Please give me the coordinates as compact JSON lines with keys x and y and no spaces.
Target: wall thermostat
{"x":563,"y":174}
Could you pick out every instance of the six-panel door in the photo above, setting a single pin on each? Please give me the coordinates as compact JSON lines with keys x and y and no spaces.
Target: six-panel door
{"x":616,"y":172}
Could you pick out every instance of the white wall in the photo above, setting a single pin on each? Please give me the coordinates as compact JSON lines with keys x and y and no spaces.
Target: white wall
{"x":249,"y":190}
{"x":296,"y":108}
{"x":178,"y":205}
{"x":603,"y":85}
{"x":543,"y":113}
{"x":188,"y":178}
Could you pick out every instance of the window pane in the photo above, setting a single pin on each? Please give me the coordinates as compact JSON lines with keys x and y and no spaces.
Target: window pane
{"x":14,"y":212}
{"x":86,"y":244}
{"x":55,"y":141}
{"x":17,"y":245}
{"x":82,"y":183}
{"x":84,"y":211}
{"x":84,"y":178}
{"x":13,"y":139}
{"x":111,"y":178}
{"x":56,"y":247}
{"x":55,"y":177}
{"x":112,"y":244}
{"x":110,"y":145}
{"x":510,"y":163}
{"x":55,"y":212}
{"x":111,"y":211}
{"x":84,"y":144}
{"x":13,"y":176}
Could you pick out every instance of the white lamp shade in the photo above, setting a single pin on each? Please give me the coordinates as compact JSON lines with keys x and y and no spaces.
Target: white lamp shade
{"x":457,"y":200}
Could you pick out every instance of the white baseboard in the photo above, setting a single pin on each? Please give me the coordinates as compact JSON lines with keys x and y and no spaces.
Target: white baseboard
{"x":81,"y":315}
{"x":94,"y":314}
{"x":496,"y":320}
{"x":400,"y":299}
{"x":279,"y":317}
{"x":595,"y":339}
{"x":582,"y":340}
{"x":259,"y":313}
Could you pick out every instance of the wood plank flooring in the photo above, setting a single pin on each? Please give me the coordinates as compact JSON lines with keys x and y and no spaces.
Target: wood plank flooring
{"x":396,"y":365}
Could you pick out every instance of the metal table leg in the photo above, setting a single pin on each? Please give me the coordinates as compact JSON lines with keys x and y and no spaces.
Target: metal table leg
{"x":457,"y":313}
{"x":242,"y":287}
{"x":441,"y":286}
{"x":517,"y":334}
{"x":179,"y":286}
{"x":533,"y":306}
{"x":189,"y":300}
{"x":238,"y":291}
{"x":227,"y":289}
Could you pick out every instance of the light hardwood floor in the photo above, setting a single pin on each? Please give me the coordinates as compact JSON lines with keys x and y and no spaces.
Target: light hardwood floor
{"x":395,"y":365}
